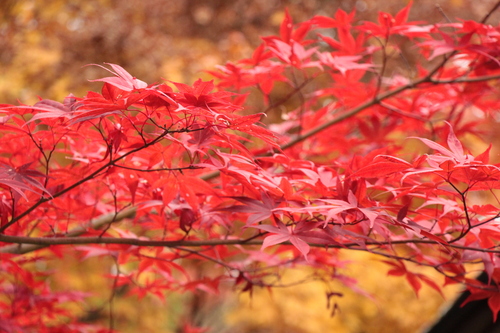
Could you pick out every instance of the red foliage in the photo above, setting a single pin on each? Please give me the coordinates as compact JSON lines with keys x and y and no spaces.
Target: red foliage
{"x":200,"y":178}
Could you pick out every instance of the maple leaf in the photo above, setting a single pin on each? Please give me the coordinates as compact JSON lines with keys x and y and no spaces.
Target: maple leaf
{"x":281,"y":49}
{"x":387,"y":25}
{"x":53,"y":109}
{"x":455,"y":155}
{"x":201,"y":95}
{"x":448,"y":44}
{"x":123,"y":79}
{"x":281,"y":234}
{"x":17,"y":186}
{"x":95,"y":105}
{"x":340,"y":20}
{"x":347,"y":44}
{"x":448,"y":205}
{"x":5,"y":208}
{"x":187,"y":215}
{"x":286,"y":27}
{"x":343,"y":63}
{"x":287,"y":32}
{"x":382,"y":165}
{"x":197,"y":142}
{"x":334,"y":207}
{"x":259,"y":210}
{"x":258,"y":56}
{"x":21,"y":178}
{"x":399,"y":269}
{"x":479,"y":291}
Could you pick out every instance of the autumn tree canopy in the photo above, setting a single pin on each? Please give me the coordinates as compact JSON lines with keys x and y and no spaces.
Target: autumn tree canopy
{"x":357,"y":150}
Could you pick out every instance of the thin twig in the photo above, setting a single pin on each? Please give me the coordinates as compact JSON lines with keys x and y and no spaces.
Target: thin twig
{"x":41,"y":242}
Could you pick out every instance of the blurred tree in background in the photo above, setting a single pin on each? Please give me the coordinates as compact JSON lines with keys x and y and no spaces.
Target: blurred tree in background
{"x":43,"y":44}
{"x":43,"y":47}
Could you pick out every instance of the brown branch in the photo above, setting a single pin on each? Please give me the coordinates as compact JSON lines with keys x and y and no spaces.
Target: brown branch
{"x":376,"y":100}
{"x":466,"y":79}
{"x":190,"y":167}
{"x":296,"y":90}
{"x":25,"y":246}
{"x":487,"y":16}
{"x":28,"y":244}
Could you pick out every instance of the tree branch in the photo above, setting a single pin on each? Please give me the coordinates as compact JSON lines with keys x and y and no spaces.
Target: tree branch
{"x":28,"y":244}
{"x":377,"y":99}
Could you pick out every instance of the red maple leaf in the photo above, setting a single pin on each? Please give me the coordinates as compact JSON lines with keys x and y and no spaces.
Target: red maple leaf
{"x":479,"y":291}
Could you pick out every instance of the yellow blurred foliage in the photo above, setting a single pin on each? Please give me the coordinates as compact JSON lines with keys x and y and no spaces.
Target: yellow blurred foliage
{"x":303,"y":308}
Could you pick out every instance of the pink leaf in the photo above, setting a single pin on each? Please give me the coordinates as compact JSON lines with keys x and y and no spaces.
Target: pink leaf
{"x":123,"y":79}
{"x":454,"y":144}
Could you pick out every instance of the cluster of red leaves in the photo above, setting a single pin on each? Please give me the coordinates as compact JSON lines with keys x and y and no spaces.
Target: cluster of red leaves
{"x":206,"y":181}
